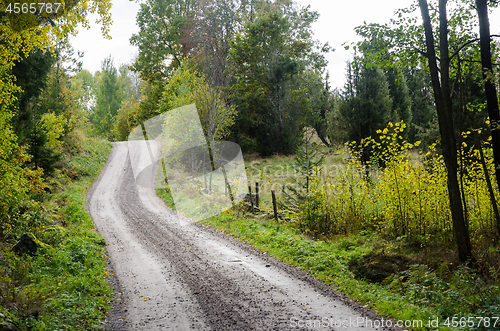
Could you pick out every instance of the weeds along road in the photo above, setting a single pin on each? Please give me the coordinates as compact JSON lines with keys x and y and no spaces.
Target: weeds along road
{"x":174,"y":274}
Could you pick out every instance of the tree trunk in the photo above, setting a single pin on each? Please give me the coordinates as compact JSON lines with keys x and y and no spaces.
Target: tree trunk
{"x":489,"y":87}
{"x":488,"y":184}
{"x":321,"y":131}
{"x":442,"y":98}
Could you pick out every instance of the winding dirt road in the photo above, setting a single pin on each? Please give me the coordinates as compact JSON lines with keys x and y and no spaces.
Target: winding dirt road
{"x":170,"y":273}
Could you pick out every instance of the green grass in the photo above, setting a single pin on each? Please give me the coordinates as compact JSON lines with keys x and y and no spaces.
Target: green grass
{"x":62,"y":287}
{"x":275,"y":171}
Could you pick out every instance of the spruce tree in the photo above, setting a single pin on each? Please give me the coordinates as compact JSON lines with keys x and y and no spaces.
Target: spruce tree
{"x":423,"y":124}
{"x":400,"y":95}
{"x":367,"y":105}
{"x":307,"y":162}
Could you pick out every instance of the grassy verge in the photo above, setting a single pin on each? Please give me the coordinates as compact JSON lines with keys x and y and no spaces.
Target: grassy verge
{"x":63,"y":286}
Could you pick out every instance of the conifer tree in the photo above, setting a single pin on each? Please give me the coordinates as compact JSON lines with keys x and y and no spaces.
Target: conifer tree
{"x":307,"y":162}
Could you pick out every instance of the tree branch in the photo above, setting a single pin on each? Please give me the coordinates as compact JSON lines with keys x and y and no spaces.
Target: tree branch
{"x":420,"y":52}
{"x":477,"y":61}
{"x":470,"y":42}
{"x":169,"y":45}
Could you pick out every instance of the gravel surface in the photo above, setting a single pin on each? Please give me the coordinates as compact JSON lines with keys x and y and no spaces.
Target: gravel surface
{"x":170,"y":273}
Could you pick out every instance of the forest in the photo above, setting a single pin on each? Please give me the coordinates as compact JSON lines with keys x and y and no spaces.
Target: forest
{"x":387,"y":188}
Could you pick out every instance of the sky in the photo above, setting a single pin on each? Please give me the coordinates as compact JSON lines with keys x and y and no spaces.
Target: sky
{"x":335,"y":25}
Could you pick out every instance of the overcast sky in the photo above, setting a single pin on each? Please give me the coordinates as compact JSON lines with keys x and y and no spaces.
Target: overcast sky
{"x":335,"y":26}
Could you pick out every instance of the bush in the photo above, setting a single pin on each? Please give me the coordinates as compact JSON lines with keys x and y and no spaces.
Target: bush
{"x":395,"y":196}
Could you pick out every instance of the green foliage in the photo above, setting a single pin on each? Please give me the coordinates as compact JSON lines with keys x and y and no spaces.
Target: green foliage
{"x":64,"y":285}
{"x":269,"y":58}
{"x":216,"y":116}
{"x":178,"y":91}
{"x":308,"y":162}
{"x":320,"y":102}
{"x":28,"y":43}
{"x":48,"y":109}
{"x":187,"y":86}
{"x":44,"y":157}
{"x":60,"y":97}
{"x":31,"y":76}
{"x":131,"y":94}
{"x":53,"y":126}
{"x":367,"y":105}
{"x":400,"y":95}
{"x":163,"y":25}
{"x":108,"y":100}
{"x":461,"y":290}
{"x":423,"y":126}
{"x":123,"y":124}
{"x":84,"y":87}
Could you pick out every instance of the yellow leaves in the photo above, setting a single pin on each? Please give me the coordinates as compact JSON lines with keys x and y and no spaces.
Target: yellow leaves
{"x":53,"y":125}
{"x":464,"y":144}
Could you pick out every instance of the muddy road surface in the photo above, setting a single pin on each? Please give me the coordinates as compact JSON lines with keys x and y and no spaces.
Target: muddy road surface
{"x":170,"y":273}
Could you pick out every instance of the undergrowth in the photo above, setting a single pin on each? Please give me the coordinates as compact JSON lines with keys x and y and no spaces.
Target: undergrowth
{"x":63,"y":285}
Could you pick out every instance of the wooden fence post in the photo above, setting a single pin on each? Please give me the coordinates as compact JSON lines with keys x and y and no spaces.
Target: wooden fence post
{"x":164,"y":170}
{"x":250,"y":194}
{"x":274,"y":206}
{"x":228,"y":187}
{"x":257,"y":194}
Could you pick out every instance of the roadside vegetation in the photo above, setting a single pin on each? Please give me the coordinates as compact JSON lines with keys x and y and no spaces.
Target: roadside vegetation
{"x":62,"y":285}
{"x":52,"y":261}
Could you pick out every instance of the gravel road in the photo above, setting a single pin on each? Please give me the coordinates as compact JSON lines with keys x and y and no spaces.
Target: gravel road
{"x":170,"y":273}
